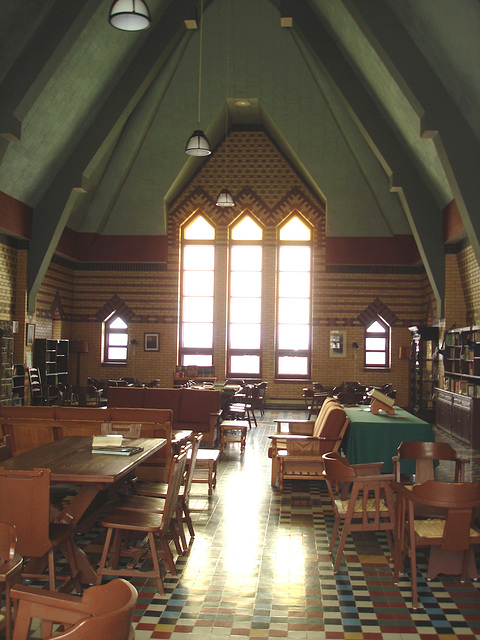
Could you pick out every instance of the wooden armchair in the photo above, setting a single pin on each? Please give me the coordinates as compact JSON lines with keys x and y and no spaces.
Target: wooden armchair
{"x":297,"y":452}
{"x":103,"y":612}
{"x":450,"y":539}
{"x":361,"y":497}
{"x":425,"y":455}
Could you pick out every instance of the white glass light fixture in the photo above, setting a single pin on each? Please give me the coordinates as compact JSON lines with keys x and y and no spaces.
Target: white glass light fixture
{"x":129,"y":15}
{"x":198,"y":144}
{"x":225,"y":199}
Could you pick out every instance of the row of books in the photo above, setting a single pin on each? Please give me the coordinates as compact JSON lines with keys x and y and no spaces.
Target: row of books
{"x":463,"y":387}
{"x":194,"y":371}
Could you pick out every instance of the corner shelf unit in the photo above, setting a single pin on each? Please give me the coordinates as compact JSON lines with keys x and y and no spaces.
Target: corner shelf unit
{"x":458,"y":403}
{"x":18,"y":384}
{"x":51,"y":360}
{"x":423,"y":371}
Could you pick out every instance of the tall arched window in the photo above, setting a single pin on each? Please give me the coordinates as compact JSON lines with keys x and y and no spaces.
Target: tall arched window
{"x":245,"y":299}
{"x":293,"y":343}
{"x":377,"y":344}
{"x":115,"y":344}
{"x":197,"y":286}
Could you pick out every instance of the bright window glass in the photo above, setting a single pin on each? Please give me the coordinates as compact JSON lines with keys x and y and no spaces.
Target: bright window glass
{"x":293,"y":345}
{"x":245,"y":298}
{"x":197,"y":289}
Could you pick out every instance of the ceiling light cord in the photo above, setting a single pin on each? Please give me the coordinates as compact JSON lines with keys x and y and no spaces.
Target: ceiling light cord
{"x":200,"y":56}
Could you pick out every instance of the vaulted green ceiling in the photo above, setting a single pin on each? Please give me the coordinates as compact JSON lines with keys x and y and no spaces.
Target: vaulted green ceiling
{"x":375,"y":102}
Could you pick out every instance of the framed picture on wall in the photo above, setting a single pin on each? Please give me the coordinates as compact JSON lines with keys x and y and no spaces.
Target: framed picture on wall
{"x":152,"y":342}
{"x":30,"y":335}
{"x":337,"y":344}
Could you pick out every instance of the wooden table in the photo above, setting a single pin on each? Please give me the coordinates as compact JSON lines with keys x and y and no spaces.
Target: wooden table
{"x":71,"y":460}
{"x":375,"y":438}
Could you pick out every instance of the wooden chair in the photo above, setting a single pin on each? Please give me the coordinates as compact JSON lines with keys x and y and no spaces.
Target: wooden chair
{"x":260,"y":400}
{"x":160,"y":489}
{"x":242,"y":405}
{"x":425,"y":455}
{"x":6,"y":448}
{"x":37,"y":395}
{"x":25,"y":504}
{"x":11,"y":564}
{"x":151,"y":525}
{"x":297,"y":454}
{"x":103,"y":612}
{"x":450,"y":539}
{"x":361,"y":498}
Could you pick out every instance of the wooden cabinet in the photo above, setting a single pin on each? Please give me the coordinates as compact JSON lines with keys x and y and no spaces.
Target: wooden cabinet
{"x":423,"y":371}
{"x":459,"y":415}
{"x":51,"y":360}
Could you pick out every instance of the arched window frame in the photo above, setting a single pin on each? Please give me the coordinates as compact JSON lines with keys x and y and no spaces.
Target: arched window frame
{"x":294,"y":362}
{"x":200,"y":354}
{"x":373,"y":347}
{"x":251,"y":354}
{"x":115,"y":339}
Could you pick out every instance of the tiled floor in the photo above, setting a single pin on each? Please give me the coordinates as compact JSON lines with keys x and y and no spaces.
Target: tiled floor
{"x":259,"y":568}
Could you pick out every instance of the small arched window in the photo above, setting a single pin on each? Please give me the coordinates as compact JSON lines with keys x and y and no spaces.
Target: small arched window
{"x":377,"y":344}
{"x":115,"y":339}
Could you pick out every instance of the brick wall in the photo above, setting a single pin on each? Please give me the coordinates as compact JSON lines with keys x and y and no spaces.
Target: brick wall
{"x":73,"y":295}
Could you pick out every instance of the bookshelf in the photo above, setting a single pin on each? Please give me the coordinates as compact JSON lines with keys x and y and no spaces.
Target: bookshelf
{"x":51,"y":359}
{"x":458,"y":403}
{"x":423,"y":371}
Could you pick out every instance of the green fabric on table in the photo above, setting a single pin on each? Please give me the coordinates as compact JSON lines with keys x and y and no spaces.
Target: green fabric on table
{"x":375,"y":437}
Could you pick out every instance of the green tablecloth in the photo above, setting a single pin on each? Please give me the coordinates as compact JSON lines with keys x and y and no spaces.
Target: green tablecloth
{"x":375,"y":438}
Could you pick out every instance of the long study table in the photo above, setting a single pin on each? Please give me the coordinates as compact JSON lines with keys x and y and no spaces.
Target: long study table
{"x":375,"y":437}
{"x":71,"y":460}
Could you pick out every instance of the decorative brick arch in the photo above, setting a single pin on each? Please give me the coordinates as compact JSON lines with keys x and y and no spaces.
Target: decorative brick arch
{"x":117,"y":305}
{"x":377,"y":308}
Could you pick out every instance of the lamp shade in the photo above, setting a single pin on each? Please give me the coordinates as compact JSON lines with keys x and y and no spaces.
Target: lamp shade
{"x":78,"y":346}
{"x":129,"y":15}
{"x":225,"y":199}
{"x":198,"y":144}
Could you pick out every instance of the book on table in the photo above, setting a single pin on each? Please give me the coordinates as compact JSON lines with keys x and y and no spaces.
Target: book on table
{"x":113,"y":444}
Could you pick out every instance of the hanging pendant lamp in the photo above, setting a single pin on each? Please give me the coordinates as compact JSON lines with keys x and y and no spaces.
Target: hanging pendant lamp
{"x":225,"y":199}
{"x":129,"y":15}
{"x":198,"y":144}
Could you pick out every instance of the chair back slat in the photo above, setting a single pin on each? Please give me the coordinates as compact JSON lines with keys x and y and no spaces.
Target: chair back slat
{"x":190,"y":469}
{"x":175,"y":480}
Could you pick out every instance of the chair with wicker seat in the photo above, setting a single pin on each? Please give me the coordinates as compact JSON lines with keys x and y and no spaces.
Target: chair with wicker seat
{"x":103,"y":612}
{"x":425,"y":455}
{"x":361,"y":497}
{"x":149,"y":525}
{"x":450,"y":539}
{"x":25,"y":504}
{"x":11,"y":564}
